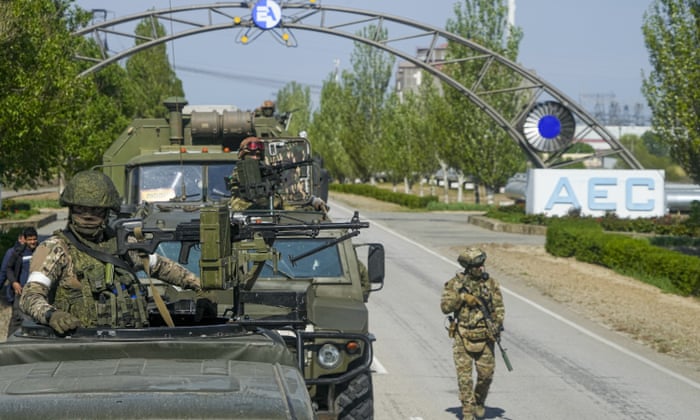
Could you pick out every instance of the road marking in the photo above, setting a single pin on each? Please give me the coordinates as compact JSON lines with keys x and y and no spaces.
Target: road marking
{"x":556,"y":316}
{"x":377,"y":367}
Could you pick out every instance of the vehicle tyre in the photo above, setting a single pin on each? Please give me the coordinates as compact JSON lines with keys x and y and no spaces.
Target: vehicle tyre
{"x":356,"y":402}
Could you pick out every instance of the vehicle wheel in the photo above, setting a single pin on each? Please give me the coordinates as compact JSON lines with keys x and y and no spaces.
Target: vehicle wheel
{"x":356,"y":402}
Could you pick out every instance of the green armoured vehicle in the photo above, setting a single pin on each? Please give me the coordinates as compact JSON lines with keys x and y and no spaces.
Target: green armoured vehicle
{"x":202,"y":370}
{"x":293,"y":272}
{"x":183,"y":161}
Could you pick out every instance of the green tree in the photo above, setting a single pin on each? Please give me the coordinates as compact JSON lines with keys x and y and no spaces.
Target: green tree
{"x":330,"y":123}
{"x":672,"y":33}
{"x":295,"y":100}
{"x":651,"y":160}
{"x":368,"y":84}
{"x":474,"y":145}
{"x":407,"y":149}
{"x":151,"y":73}
{"x":42,"y":98}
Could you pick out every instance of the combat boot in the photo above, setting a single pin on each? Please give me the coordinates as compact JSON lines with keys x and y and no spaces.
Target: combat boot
{"x":467,"y":412}
{"x":479,"y":411}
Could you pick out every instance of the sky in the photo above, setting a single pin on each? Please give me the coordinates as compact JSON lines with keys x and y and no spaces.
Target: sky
{"x":591,"y":50}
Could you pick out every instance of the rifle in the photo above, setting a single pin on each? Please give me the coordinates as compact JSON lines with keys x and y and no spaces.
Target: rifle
{"x":148,"y":239}
{"x":493,"y":332}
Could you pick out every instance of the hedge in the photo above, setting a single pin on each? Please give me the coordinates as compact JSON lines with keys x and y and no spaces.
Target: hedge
{"x":625,"y":254}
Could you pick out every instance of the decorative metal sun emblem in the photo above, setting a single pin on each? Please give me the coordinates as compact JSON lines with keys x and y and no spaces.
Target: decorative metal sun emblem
{"x":549,"y":127}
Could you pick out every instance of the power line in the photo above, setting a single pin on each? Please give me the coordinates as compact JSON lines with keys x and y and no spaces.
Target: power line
{"x":257,"y":80}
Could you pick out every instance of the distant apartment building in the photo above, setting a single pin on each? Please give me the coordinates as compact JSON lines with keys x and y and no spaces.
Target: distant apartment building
{"x":409,"y":77}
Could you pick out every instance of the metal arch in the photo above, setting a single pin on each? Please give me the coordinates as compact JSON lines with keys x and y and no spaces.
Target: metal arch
{"x":344,"y":22}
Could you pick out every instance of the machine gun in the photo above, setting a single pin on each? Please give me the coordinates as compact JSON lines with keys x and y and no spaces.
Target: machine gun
{"x":229,"y":245}
{"x":257,"y":180}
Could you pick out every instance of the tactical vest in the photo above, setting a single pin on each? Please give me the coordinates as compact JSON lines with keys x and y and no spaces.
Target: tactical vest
{"x":109,"y":296}
{"x":472,"y":319}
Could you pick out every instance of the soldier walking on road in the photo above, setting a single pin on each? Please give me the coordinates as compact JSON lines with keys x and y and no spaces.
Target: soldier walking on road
{"x":472,"y":296}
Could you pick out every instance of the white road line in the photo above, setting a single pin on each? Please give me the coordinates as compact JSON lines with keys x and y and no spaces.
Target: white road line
{"x":377,"y":367}
{"x":545,"y":310}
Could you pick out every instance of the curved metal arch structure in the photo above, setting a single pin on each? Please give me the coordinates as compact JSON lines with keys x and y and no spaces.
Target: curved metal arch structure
{"x":346,"y":23}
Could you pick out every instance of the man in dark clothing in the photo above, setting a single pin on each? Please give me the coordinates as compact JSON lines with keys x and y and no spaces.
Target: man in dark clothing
{"x":5,"y":307}
{"x":17,"y":275}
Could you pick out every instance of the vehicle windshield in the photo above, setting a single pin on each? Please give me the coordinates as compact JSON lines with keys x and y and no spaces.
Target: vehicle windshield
{"x":186,"y":182}
{"x":322,"y":264}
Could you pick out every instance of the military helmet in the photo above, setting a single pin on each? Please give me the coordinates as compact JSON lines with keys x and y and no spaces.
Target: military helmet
{"x":91,"y":189}
{"x":471,"y":257}
{"x":250,"y":145}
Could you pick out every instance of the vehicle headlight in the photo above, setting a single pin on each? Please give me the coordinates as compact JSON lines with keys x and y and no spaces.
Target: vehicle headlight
{"x":329,"y":356}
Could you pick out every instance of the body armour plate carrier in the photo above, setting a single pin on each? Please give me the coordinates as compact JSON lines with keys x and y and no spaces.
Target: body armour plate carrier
{"x":109,"y":296}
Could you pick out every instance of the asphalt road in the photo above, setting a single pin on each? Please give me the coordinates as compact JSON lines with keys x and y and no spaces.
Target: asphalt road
{"x":564,"y":367}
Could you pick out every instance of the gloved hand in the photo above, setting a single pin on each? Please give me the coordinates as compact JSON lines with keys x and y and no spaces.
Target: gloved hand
{"x":63,"y":321}
{"x":317,"y":203}
{"x":470,"y":299}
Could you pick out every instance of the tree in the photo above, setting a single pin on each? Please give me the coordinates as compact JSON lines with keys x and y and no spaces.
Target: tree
{"x":651,"y":160}
{"x":348,"y":125}
{"x":151,"y":73}
{"x":672,"y":33}
{"x":473,"y":144}
{"x":42,"y":98}
{"x":368,"y":84}
{"x":295,"y":100}
{"x":330,"y":123}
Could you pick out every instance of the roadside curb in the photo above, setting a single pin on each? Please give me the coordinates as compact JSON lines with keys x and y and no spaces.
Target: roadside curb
{"x":497,"y":226}
{"x":36,"y":221}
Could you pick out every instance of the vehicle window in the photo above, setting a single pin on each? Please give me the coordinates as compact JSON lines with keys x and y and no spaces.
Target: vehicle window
{"x":216,"y":175}
{"x":324,"y":263}
{"x":172,"y":251}
{"x":170,"y":182}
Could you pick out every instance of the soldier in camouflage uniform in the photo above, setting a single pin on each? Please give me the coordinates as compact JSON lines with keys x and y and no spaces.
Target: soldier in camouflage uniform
{"x":250,"y":148}
{"x":76,"y":277}
{"x":254,"y":148}
{"x":473,"y":343}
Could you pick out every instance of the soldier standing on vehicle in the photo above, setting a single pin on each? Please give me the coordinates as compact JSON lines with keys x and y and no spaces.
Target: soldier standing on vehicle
{"x":253,"y":148}
{"x":468,"y":295}
{"x":76,"y":276}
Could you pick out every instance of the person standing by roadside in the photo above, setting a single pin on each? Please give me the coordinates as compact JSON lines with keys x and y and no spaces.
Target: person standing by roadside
{"x":5,"y":307}
{"x":17,"y":275}
{"x":475,"y":300}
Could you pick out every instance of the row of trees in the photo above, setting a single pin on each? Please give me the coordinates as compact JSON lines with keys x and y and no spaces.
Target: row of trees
{"x":53,"y":122}
{"x":363,"y":127}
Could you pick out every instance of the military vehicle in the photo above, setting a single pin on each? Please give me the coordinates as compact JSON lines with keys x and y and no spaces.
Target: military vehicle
{"x":195,"y":371}
{"x":183,"y":161}
{"x":288,"y":284}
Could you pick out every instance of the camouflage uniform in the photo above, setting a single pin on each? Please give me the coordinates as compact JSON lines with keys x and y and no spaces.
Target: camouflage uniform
{"x":473,"y":346}
{"x":76,"y":277}
{"x":86,"y":287}
{"x":290,"y":194}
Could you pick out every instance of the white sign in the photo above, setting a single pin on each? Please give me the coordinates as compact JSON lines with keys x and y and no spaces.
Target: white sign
{"x":627,"y":193}
{"x":267,"y":14}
